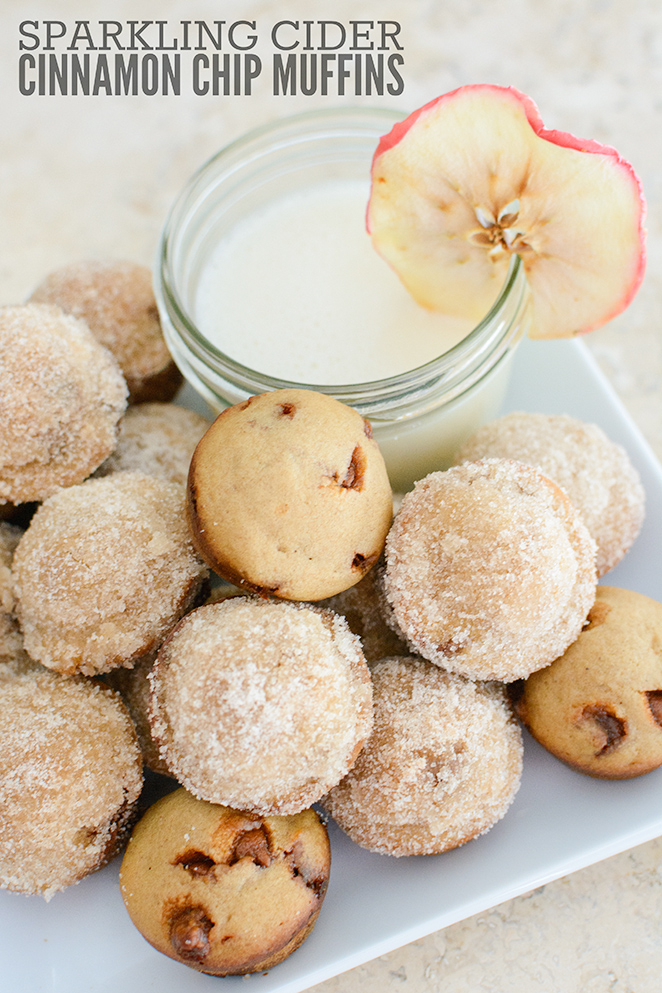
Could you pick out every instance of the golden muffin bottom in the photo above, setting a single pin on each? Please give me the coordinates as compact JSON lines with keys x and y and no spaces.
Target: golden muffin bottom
{"x":599,"y":706}
{"x":221,"y":890}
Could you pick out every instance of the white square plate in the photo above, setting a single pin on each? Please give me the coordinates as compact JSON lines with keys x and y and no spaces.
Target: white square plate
{"x":83,"y":941}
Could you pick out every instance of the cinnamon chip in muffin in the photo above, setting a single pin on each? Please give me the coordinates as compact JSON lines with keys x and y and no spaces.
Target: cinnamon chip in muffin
{"x":224,"y":891}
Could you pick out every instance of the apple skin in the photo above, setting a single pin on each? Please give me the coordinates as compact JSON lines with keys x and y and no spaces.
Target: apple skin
{"x":580,"y":204}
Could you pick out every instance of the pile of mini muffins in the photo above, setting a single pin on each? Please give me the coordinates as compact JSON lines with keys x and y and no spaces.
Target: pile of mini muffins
{"x":368,"y":664}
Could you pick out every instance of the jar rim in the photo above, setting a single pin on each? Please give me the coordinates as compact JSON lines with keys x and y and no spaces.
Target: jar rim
{"x":264,"y":139}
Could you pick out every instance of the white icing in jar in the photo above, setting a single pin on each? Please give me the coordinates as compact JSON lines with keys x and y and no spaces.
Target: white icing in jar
{"x":268,"y":279}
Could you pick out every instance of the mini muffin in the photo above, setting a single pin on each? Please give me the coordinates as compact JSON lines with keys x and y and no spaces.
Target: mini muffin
{"x":156,"y":438}
{"x":104,"y":571}
{"x":441,"y":766}
{"x":222,"y":890}
{"x":133,"y":686}
{"x":70,"y":778}
{"x":61,"y":399}
{"x":288,"y":495}
{"x":261,"y":705}
{"x":363,"y":609}
{"x":490,"y":571}
{"x":116,"y":301}
{"x":599,"y":706}
{"x":594,"y":472}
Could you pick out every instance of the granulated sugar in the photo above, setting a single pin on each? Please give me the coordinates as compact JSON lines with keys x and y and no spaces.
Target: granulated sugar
{"x":158,"y":439}
{"x":594,"y":472}
{"x":70,"y":776}
{"x":116,"y":300}
{"x":442,"y":764}
{"x":490,"y":571}
{"x":62,"y":396}
{"x":261,"y":705}
{"x":104,"y":571}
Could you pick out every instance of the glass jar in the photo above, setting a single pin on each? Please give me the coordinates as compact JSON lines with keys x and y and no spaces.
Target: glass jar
{"x":419,"y":417}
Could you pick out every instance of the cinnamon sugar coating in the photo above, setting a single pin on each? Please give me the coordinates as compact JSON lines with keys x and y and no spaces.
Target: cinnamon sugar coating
{"x":62,"y":396}
{"x":14,"y":660}
{"x":490,"y":570}
{"x":156,"y":438}
{"x":104,"y":571}
{"x":288,"y":495}
{"x":224,"y":891}
{"x":442,"y":765}
{"x":260,"y":705}
{"x":116,"y":300}
{"x":133,"y":686}
{"x":363,"y":608}
{"x":594,"y":472}
{"x":70,"y":777}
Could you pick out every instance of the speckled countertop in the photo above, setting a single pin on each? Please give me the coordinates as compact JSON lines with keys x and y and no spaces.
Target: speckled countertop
{"x":94,"y":176}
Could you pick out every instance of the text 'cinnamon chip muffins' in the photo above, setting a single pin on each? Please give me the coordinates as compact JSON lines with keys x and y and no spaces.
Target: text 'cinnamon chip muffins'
{"x":441,"y":766}
{"x":599,"y":706}
{"x":224,"y":891}
{"x":61,"y":398}
{"x":70,"y":778}
{"x":593,"y":471}
{"x":261,"y":705}
{"x":288,"y":495}
{"x":116,"y":301}
{"x":104,"y":571}
{"x":490,"y":571}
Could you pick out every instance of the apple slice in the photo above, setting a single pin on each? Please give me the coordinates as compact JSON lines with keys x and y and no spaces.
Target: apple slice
{"x":472,"y":178}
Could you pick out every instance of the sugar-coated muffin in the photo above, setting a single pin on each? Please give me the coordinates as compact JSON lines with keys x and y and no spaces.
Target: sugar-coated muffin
{"x":133,"y":686}
{"x":156,"y":438}
{"x":442,"y":765}
{"x":116,"y":301}
{"x":70,"y":778}
{"x":288,"y":495}
{"x":594,"y":472}
{"x":61,"y":399}
{"x":261,"y":705}
{"x":490,"y":571}
{"x":599,"y":706}
{"x":363,"y":608}
{"x":104,"y":571}
{"x":221,"y":890}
